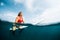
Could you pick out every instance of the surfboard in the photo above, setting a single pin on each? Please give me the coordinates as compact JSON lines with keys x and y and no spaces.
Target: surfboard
{"x":17,"y":26}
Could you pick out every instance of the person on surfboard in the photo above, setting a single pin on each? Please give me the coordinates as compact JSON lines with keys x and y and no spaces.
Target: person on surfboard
{"x":19,"y":19}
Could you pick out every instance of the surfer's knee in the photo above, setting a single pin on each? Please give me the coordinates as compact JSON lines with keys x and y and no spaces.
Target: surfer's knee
{"x":14,"y":28}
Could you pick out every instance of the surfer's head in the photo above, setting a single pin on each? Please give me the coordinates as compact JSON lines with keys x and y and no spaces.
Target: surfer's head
{"x":20,"y":14}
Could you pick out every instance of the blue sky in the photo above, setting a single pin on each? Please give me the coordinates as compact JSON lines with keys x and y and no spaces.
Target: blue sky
{"x":34,"y":11}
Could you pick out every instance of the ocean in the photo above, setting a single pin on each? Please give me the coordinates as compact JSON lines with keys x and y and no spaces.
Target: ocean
{"x":32,"y":32}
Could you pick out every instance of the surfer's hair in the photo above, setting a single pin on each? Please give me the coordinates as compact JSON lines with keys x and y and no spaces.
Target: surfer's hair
{"x":19,"y":13}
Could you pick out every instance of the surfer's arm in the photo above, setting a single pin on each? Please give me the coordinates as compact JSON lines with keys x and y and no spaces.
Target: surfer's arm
{"x":16,"y":20}
{"x":23,"y":20}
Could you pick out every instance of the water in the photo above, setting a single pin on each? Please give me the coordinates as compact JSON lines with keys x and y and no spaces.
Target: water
{"x":32,"y":32}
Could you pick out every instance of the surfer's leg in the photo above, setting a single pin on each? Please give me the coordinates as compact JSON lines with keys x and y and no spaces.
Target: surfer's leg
{"x":14,"y":28}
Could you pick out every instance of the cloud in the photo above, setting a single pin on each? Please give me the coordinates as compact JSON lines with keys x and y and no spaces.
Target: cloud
{"x":8,"y":16}
{"x":35,"y":5}
{"x":50,"y":15}
{"x":18,"y":1}
{"x":32,"y":5}
{"x":26,"y":3}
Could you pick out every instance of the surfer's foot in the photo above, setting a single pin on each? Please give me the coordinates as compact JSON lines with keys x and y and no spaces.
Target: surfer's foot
{"x":10,"y":30}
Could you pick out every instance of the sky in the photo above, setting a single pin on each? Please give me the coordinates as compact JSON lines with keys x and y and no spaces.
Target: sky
{"x":34,"y":11}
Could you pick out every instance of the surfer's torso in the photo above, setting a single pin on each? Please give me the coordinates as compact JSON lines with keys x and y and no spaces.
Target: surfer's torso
{"x":19,"y":19}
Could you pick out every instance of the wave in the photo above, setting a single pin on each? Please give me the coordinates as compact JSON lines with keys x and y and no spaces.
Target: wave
{"x":26,"y":24}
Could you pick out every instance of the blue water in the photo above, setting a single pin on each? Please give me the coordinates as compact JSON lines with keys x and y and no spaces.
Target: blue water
{"x":32,"y":32}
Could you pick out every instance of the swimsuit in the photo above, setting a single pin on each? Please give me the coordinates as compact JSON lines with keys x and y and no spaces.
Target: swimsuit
{"x":20,"y":20}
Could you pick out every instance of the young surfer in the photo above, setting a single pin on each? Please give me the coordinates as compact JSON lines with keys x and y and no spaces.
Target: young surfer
{"x":19,"y":19}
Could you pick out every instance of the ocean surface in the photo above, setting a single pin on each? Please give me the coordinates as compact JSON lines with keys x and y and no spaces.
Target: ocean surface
{"x":32,"y":32}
